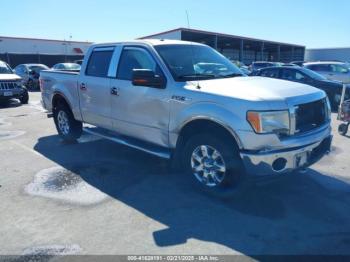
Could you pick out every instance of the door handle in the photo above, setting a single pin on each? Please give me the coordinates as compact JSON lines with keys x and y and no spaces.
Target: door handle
{"x":82,"y":86}
{"x":115,"y":91}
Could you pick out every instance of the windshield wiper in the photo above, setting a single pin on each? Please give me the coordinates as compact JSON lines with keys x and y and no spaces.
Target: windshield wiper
{"x":196,"y":75}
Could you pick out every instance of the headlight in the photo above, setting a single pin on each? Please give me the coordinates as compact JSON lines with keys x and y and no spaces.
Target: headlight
{"x":269,"y":122}
{"x":19,"y":83}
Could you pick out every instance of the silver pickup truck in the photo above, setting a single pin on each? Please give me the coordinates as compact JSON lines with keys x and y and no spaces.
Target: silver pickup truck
{"x":186,"y":102}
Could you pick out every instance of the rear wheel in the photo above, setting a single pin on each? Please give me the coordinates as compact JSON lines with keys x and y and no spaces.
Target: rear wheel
{"x":68,"y":128}
{"x":213,"y":164}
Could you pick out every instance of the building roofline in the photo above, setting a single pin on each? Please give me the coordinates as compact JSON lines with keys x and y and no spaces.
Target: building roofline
{"x":328,"y":48}
{"x":43,"y":39}
{"x":218,"y":34}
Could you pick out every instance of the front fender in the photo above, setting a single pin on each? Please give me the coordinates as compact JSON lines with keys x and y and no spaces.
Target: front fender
{"x":206,"y":111}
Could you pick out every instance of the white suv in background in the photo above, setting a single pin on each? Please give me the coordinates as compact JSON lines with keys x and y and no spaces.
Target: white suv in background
{"x":332,"y":70}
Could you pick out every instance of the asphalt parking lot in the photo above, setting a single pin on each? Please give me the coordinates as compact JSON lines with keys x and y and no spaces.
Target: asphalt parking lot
{"x":97,"y":197}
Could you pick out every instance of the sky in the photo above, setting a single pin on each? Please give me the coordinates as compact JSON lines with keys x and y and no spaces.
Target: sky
{"x":313,"y":23}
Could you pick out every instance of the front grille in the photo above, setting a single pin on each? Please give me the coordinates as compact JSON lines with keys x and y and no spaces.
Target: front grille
{"x":7,"y":85}
{"x":310,"y":116}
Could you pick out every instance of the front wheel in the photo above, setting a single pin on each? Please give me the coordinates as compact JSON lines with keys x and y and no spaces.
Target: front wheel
{"x":24,"y":98}
{"x":343,"y":129}
{"x":335,"y":102}
{"x":214,"y":165}
{"x":68,"y":128}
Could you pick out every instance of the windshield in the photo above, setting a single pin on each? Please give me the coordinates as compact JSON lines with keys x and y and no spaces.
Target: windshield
{"x":196,"y":62}
{"x":313,"y":74}
{"x":5,"y":69}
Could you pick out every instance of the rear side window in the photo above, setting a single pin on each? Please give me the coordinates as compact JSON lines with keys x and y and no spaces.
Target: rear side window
{"x":99,"y":63}
{"x":273,"y":72}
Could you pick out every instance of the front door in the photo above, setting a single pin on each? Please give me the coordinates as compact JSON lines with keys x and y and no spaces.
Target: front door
{"x":139,"y":111}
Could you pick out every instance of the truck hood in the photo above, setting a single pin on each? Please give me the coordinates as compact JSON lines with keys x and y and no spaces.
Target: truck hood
{"x":9,"y":77}
{"x":254,"y":88}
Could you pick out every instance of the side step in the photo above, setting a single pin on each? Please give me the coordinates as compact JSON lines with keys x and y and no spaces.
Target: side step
{"x":130,"y":142}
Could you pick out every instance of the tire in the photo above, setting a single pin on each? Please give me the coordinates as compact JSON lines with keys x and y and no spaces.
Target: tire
{"x":335,"y":102}
{"x":24,"y":98}
{"x":221,"y":172}
{"x":343,"y":129}
{"x":30,"y":85}
{"x":67,"y":127}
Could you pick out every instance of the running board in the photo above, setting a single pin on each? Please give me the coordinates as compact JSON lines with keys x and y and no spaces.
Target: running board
{"x":130,"y":142}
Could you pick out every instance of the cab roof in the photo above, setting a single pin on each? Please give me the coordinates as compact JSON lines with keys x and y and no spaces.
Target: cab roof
{"x":151,"y":42}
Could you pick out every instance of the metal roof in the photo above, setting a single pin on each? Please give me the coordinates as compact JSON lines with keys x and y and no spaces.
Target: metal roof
{"x":218,"y":34}
{"x":42,"y":39}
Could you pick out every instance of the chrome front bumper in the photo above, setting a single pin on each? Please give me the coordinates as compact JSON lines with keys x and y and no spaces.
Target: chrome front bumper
{"x":286,"y":160}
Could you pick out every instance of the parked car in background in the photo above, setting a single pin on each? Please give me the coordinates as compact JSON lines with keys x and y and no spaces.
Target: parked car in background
{"x":30,"y":74}
{"x":331,"y":70}
{"x":11,"y":85}
{"x":261,"y":64}
{"x":79,"y":62}
{"x":298,"y":63}
{"x":303,"y":75}
{"x":67,"y":67}
{"x":242,"y":66}
{"x":200,"y":111}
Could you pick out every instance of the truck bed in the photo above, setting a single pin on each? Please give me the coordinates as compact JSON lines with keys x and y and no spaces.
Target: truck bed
{"x":51,"y":82}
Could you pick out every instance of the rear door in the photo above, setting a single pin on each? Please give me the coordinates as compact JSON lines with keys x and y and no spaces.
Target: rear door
{"x":139,"y":111}
{"x":94,"y":88}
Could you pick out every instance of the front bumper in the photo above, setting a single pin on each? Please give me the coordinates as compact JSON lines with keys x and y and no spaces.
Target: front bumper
{"x":287,"y":160}
{"x":11,"y":93}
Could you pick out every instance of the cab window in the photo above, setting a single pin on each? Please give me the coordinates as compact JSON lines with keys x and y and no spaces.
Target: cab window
{"x":135,"y":58}
{"x":99,"y":62}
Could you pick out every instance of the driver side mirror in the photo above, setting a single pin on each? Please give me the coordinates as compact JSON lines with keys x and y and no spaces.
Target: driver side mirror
{"x":31,"y":72}
{"x":146,"y":77}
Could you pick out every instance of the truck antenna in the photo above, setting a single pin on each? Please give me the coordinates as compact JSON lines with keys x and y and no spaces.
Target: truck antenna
{"x":188,"y":20}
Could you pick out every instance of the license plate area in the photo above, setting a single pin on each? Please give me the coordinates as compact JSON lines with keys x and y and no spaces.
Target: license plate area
{"x":8,"y":93}
{"x":301,"y":159}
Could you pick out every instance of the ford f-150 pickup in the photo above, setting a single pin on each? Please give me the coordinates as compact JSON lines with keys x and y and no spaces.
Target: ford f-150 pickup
{"x":186,"y":102}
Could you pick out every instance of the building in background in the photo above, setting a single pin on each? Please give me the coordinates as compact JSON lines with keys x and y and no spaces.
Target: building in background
{"x":15,"y":50}
{"x":244,"y":49}
{"x":328,"y":54}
